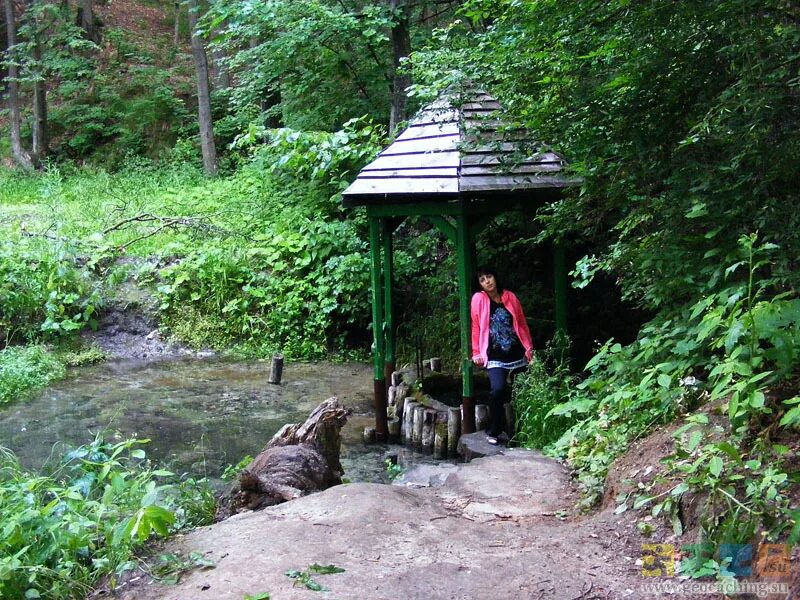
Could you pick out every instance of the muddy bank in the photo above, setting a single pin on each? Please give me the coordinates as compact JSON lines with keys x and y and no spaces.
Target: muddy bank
{"x":128,"y":327}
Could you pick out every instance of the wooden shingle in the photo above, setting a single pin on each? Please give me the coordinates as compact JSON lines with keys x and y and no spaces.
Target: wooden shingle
{"x":458,"y":147}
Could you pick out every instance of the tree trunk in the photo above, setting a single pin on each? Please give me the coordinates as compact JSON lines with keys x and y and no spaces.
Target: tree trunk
{"x":86,"y":19}
{"x":401,"y":48}
{"x":3,"y":48}
{"x":177,"y":31}
{"x":39,"y":129}
{"x":19,"y":155}
{"x":203,"y":95}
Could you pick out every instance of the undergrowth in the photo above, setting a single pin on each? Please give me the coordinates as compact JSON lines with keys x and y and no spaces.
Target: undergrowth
{"x":739,"y":345}
{"x":86,"y":517}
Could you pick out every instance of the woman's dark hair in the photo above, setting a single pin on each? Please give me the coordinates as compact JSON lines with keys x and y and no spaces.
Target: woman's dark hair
{"x":487,"y":270}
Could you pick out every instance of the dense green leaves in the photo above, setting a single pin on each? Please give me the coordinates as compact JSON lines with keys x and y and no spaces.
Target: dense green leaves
{"x":61,"y":532}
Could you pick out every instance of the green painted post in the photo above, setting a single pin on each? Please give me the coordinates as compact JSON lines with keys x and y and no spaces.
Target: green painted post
{"x":464,"y":268}
{"x":560,"y":286}
{"x":388,"y":300}
{"x":381,"y":424}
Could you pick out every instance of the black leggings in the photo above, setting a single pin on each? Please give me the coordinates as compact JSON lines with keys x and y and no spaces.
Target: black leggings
{"x":498,"y":395}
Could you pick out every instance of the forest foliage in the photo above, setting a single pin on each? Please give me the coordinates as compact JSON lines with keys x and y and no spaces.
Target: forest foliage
{"x":681,"y":118}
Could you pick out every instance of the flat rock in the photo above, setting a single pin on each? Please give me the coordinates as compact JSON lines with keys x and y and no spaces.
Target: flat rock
{"x":511,"y":483}
{"x":474,"y":445}
{"x":479,"y":530}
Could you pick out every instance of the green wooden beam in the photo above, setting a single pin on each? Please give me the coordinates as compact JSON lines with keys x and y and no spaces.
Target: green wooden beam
{"x":444,"y":226}
{"x":387,"y":226}
{"x":381,"y":424}
{"x":464,"y":269}
{"x":416,"y":209}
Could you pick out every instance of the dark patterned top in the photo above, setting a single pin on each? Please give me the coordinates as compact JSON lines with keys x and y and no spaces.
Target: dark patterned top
{"x":505,"y":349}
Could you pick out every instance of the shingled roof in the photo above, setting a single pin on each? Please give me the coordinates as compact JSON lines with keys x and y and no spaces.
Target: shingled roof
{"x":458,"y":147}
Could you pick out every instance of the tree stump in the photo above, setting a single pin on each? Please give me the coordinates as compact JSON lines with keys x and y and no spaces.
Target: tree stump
{"x":276,"y":369}
{"x":397,"y":378}
{"x":408,"y":421}
{"x":393,"y":427}
{"x":298,"y":460}
{"x":369,"y":435}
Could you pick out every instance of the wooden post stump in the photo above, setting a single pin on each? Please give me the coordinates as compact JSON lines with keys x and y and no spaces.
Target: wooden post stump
{"x":428,"y":421}
{"x":369,"y":435}
{"x":394,"y":429}
{"x":419,"y":416}
{"x":397,"y":378}
{"x":436,"y":364}
{"x":440,"y":435}
{"x":276,"y":369}
{"x":481,"y":417}
{"x":408,"y":421}
{"x":453,"y":430}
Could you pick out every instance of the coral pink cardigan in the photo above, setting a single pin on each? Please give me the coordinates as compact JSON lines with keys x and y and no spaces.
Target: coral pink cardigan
{"x":480,"y":310}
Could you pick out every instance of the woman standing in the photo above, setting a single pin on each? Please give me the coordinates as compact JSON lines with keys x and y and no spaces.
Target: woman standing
{"x":501,"y":342}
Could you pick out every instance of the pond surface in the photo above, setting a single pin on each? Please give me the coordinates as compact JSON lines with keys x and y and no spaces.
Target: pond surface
{"x":200,"y":414}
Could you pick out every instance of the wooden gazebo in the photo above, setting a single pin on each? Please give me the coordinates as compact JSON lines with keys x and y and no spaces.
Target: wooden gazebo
{"x":457,"y":166}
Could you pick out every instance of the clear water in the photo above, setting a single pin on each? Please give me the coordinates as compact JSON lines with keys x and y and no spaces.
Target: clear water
{"x":200,"y":414}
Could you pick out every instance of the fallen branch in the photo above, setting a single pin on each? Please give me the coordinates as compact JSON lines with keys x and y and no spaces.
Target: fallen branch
{"x":196,"y":223}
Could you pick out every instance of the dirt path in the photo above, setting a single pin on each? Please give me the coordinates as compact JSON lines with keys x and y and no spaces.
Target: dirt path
{"x":492,"y":528}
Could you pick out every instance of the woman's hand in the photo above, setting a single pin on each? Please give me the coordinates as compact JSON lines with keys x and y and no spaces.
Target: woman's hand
{"x":529,"y":354}
{"x":478,"y":360}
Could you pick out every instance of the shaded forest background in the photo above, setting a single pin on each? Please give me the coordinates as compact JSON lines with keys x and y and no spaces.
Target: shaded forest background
{"x":211,"y":141}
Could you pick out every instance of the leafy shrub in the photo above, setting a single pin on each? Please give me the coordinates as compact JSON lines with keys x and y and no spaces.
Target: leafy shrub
{"x":61,"y":532}
{"x":545,"y":402}
{"x":298,"y":291}
{"x":732,"y":345}
{"x":43,"y":293}
{"x":26,"y":369}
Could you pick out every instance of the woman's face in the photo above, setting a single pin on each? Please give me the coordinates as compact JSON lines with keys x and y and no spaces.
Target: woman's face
{"x":487,"y":283}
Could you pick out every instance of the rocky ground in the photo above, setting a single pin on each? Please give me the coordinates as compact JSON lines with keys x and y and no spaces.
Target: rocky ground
{"x":498,"y":527}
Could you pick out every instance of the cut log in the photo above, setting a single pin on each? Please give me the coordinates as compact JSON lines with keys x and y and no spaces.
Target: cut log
{"x":428,"y":420}
{"x":276,"y":369}
{"x":481,"y":416}
{"x":298,"y":460}
{"x":408,"y":421}
{"x":453,"y":430}
{"x":440,"y":435}
{"x":419,"y":417}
